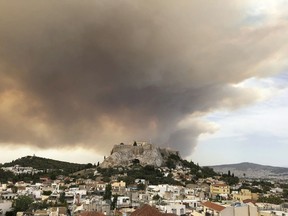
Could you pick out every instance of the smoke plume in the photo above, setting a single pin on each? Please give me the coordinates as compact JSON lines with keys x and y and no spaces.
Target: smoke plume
{"x":96,"y":73}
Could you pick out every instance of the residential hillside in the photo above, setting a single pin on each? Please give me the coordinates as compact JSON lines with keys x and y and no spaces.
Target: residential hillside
{"x":252,"y":170}
{"x":46,"y":164}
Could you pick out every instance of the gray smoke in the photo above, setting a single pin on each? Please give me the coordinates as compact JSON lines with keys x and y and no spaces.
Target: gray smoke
{"x":96,"y":73}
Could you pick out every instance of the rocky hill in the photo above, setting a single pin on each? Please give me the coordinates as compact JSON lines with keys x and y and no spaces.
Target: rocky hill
{"x":252,"y":170}
{"x":139,"y":152}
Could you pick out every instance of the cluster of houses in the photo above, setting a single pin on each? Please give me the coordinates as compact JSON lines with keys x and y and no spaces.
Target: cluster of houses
{"x":84,"y":197}
{"x":22,"y":170}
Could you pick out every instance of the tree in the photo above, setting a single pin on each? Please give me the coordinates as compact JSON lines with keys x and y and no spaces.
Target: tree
{"x":114,"y":202}
{"x":88,"y":166}
{"x":141,"y":186}
{"x":47,"y":193}
{"x":22,"y":203}
{"x":108,"y":192}
{"x":135,"y":143}
{"x":136,"y":161}
{"x":9,"y":213}
{"x":62,"y":198}
{"x":106,"y":179}
{"x":156,"y":197}
{"x":271,"y":199}
{"x":285,"y":193}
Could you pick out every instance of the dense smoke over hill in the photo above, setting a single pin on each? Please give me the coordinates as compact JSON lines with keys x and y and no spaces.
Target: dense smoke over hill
{"x":92,"y":73}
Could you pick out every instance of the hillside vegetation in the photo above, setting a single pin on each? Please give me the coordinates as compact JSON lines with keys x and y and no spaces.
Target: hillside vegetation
{"x":46,"y":164}
{"x":155,"y":175}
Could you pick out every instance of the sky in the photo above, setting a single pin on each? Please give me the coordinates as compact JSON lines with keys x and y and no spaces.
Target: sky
{"x":206,"y":78}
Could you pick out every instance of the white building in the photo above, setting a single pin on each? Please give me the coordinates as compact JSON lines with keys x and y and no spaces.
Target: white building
{"x":177,"y":209}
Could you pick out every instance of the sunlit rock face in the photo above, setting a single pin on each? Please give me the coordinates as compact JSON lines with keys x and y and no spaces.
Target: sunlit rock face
{"x":143,"y":153}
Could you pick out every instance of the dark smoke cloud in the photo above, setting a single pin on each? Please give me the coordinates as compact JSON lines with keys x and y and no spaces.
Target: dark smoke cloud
{"x":96,"y":73}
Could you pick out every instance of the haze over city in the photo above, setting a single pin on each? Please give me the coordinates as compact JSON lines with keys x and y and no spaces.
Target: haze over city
{"x":207,"y":78}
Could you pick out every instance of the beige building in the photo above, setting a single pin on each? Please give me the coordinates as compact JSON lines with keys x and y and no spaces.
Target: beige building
{"x":240,"y":210}
{"x":245,"y":194}
{"x":219,"y":189}
{"x":118,"y":187}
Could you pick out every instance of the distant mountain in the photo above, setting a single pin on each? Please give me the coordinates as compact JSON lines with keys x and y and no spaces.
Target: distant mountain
{"x":252,"y":170}
{"x":46,"y":164}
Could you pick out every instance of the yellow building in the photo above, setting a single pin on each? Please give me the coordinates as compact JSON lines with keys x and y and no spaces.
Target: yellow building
{"x":245,"y":194}
{"x":219,"y":189}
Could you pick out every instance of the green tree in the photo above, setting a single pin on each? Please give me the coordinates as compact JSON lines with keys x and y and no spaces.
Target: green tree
{"x":114,"y":202}
{"x":9,"y":213}
{"x":47,"y":193}
{"x":62,"y":198}
{"x":141,"y":186}
{"x":22,"y":203}
{"x":136,"y":161}
{"x":106,"y":179}
{"x":285,"y":193}
{"x":156,"y":197}
{"x":108,"y":192}
{"x":271,"y":199}
{"x":89,"y":165}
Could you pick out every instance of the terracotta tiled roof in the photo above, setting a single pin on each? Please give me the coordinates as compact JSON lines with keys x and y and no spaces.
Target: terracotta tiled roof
{"x":213,"y":206}
{"x":146,"y":210}
{"x":91,"y":213}
{"x":249,"y":201}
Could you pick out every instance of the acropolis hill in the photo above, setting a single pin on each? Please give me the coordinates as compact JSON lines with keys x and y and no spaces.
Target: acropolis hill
{"x":143,"y":152}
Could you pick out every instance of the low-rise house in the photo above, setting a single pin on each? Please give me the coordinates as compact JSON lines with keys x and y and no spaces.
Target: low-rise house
{"x":276,"y":190}
{"x":170,"y":191}
{"x":70,"y":197}
{"x":3,"y":187}
{"x":240,"y":209}
{"x":140,"y":181}
{"x":273,"y":213}
{"x":147,"y":210}
{"x":210,"y":208}
{"x":8,"y":196}
{"x":100,"y":186}
{"x":188,"y":203}
{"x":53,"y":211}
{"x":118,"y":187}
{"x":175,"y":208}
{"x":244,"y":194}
{"x":57,"y":211}
{"x":144,"y":198}
{"x":123,"y":201}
